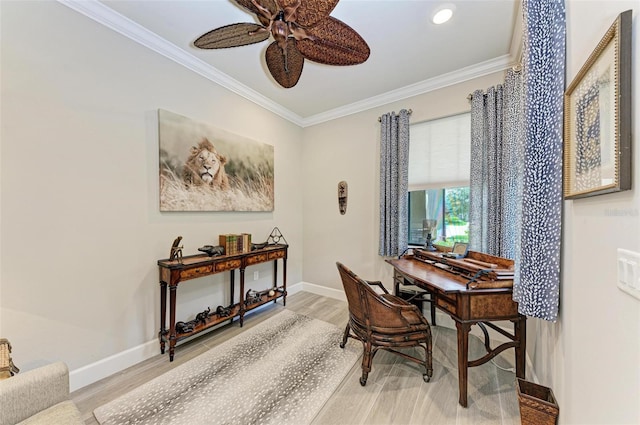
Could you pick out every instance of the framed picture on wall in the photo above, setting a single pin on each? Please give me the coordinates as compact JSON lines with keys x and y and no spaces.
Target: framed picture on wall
{"x":204,"y":168}
{"x":597,"y":118}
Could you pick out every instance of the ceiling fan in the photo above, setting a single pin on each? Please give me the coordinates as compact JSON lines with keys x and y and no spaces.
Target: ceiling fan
{"x":302,"y":29}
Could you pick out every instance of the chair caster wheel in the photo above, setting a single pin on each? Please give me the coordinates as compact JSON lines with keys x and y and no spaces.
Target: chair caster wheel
{"x":426,"y":378}
{"x":363,"y":381}
{"x":342,"y":344}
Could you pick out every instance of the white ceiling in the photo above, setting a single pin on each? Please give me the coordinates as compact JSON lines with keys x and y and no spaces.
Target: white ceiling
{"x":409,"y":54}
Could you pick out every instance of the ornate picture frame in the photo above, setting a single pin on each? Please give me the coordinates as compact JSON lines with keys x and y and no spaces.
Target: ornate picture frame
{"x":597,"y":118}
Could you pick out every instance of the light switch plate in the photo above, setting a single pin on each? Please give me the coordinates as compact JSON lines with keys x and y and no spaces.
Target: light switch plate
{"x":629,"y":272}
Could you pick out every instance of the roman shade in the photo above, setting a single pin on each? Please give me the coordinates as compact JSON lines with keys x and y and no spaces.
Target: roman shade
{"x":439,"y":153}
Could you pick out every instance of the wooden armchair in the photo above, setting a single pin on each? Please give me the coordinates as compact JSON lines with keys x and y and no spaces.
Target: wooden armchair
{"x":383,"y":321}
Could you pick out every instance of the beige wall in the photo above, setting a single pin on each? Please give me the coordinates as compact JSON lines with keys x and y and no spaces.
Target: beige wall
{"x":348,"y":149}
{"x":591,"y":356}
{"x":81,"y":228}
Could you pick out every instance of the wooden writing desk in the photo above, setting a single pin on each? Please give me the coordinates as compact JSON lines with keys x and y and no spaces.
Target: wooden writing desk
{"x":172,"y":272}
{"x":467,"y":307}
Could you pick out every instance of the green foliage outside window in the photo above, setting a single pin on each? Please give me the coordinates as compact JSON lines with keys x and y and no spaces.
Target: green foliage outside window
{"x":449,"y":206}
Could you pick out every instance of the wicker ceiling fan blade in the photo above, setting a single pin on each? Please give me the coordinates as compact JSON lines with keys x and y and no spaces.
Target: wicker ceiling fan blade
{"x":270,"y":5}
{"x":310,"y":12}
{"x":302,"y":29}
{"x":285,"y":69}
{"x":333,"y":42}
{"x":233,"y":35}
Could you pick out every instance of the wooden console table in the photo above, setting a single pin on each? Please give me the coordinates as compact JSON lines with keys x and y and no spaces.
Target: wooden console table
{"x":172,"y":272}
{"x":467,"y":307}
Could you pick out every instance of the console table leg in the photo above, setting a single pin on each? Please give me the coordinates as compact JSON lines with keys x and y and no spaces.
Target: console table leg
{"x":172,"y":320}
{"x":242,"y":297}
{"x":284,"y":281}
{"x":463,"y":358}
{"x":163,"y":314}
{"x":275,"y":276}
{"x":233,"y":285}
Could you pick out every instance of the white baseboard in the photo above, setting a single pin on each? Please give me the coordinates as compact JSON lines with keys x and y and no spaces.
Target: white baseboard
{"x":94,"y":372}
{"x":337,"y":294}
{"x":118,"y":362}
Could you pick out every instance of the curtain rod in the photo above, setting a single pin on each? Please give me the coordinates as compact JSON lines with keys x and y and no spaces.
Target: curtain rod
{"x":410,"y":112}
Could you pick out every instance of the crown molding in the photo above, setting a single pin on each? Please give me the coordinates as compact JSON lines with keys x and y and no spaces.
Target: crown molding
{"x":459,"y":76}
{"x":106,"y":16}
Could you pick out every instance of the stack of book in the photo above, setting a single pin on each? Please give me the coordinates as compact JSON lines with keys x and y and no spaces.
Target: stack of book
{"x":234,"y":243}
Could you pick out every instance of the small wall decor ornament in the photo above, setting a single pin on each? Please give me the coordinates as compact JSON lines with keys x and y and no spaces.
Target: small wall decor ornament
{"x":343,"y":190}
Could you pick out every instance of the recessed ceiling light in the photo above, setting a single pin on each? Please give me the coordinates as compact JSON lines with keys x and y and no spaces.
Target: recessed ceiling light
{"x":442,"y":14}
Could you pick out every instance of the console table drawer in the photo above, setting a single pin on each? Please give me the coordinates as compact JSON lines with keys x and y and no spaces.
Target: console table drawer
{"x":228,"y":265}
{"x":195,"y":272}
{"x":276,"y":255}
{"x":255,"y":259}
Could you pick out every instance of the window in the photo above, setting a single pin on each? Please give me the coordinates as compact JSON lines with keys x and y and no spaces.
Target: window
{"x":439,"y":179}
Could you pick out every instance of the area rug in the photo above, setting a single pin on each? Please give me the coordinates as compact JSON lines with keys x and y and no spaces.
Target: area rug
{"x":281,"y":371}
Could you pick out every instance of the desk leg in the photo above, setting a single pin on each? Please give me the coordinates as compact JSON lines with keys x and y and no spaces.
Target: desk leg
{"x":172,"y":320}
{"x":434,"y":301}
{"x":520,"y":332}
{"x":163,"y":313}
{"x":396,"y":283}
{"x":463,"y":360}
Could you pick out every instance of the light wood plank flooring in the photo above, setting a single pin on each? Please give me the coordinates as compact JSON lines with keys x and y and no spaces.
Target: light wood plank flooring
{"x":395,"y":392}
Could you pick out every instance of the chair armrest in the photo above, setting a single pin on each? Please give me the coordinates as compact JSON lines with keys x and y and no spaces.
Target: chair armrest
{"x":408,"y":311}
{"x":377,"y":283}
{"x":397,"y":302}
{"x":28,"y":393}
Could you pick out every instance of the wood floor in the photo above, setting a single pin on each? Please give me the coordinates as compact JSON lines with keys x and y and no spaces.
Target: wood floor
{"x":395,"y":392}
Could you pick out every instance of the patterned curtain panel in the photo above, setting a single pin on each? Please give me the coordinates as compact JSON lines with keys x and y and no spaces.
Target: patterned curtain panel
{"x":394,"y":176}
{"x":496,"y":167}
{"x":513,"y":164}
{"x":537,"y":277}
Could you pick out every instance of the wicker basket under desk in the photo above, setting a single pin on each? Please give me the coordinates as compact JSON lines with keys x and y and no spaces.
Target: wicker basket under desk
{"x":538,"y":406}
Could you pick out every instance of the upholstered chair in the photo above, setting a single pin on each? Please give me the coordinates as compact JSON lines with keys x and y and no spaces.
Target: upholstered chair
{"x":384,"y":321}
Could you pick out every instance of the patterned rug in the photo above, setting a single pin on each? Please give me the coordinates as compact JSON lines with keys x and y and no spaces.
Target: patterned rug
{"x":281,"y":371}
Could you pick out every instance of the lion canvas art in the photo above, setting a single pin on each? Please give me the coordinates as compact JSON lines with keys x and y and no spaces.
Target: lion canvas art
{"x":203,"y":168}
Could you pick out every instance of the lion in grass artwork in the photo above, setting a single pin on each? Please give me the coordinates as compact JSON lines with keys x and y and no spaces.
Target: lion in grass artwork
{"x":205,"y":166}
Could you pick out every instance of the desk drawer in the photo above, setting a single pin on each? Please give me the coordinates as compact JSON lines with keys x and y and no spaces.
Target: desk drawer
{"x":255,"y":259}
{"x":493,"y":306}
{"x":228,"y":265}
{"x":447,"y":305}
{"x":195,"y":272}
